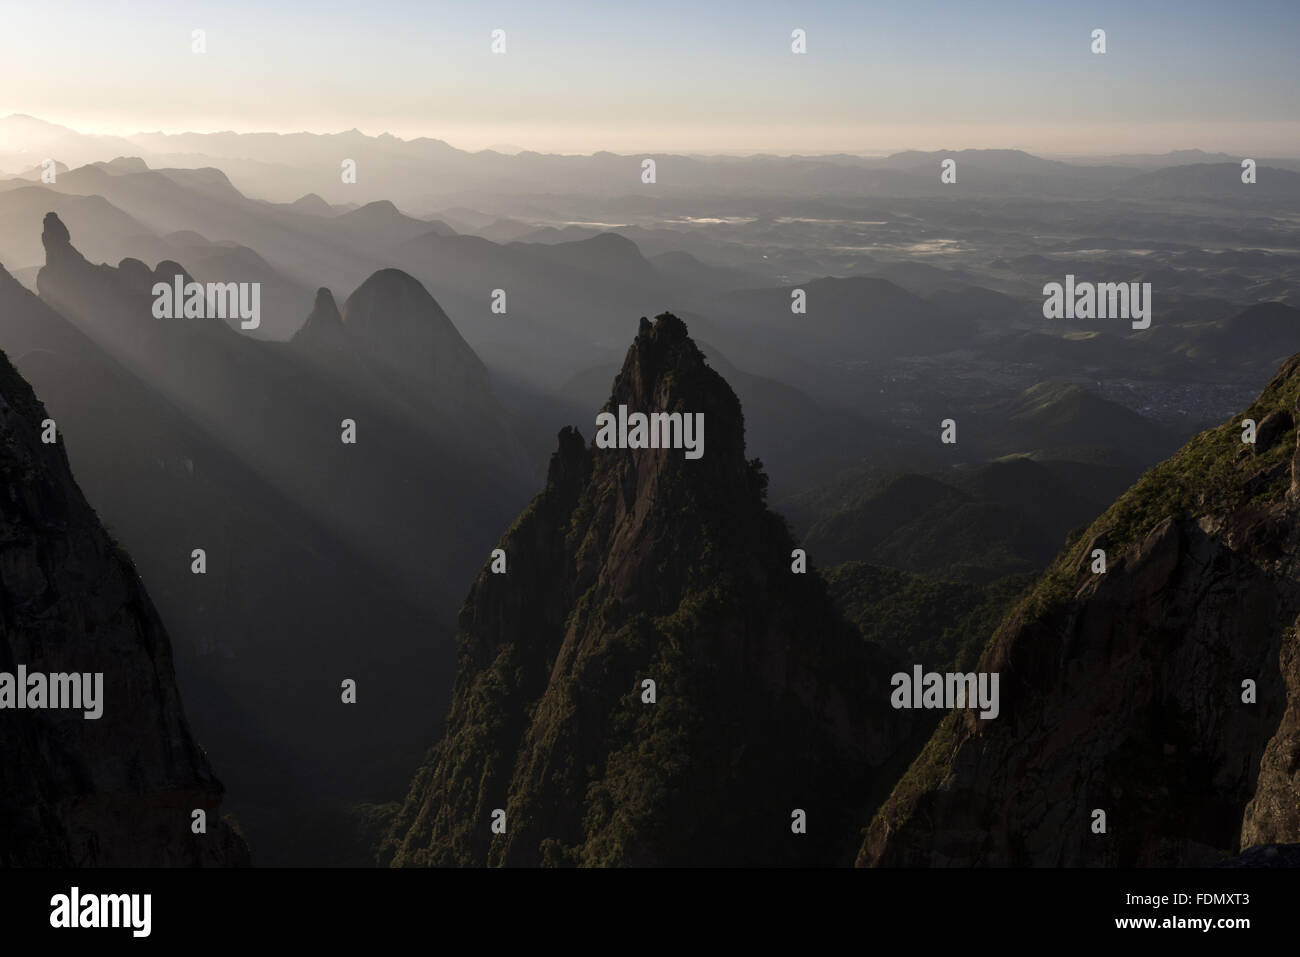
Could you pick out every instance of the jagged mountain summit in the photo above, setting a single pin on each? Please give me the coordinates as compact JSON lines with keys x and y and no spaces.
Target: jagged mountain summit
{"x":332,"y":494}
{"x":1162,"y":692}
{"x":120,"y":788}
{"x":644,"y":565}
{"x":323,"y":331}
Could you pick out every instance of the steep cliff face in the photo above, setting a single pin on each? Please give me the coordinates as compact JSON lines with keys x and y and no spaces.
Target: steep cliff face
{"x":118,"y":790}
{"x":637,"y":565}
{"x":1124,"y":691}
{"x":187,"y":433}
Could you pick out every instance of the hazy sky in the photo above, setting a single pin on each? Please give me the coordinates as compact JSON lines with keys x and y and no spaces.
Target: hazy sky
{"x":683,"y":76}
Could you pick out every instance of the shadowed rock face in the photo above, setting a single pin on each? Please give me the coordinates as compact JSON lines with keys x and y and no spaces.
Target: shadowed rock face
{"x":188,"y":433}
{"x":640,"y":564}
{"x":119,"y":790}
{"x":403,"y":327}
{"x":1123,"y":691}
{"x":323,"y":329}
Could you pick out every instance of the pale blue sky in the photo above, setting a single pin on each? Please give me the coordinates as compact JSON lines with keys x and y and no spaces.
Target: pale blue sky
{"x":667,"y":75}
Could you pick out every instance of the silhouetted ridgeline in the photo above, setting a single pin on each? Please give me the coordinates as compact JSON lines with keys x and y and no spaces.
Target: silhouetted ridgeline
{"x":636,"y":566}
{"x":119,"y":789}
{"x":323,"y":560}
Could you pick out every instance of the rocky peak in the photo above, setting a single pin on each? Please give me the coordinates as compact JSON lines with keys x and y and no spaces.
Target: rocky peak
{"x":395,"y":319}
{"x":1164,"y":691}
{"x":58,"y":242}
{"x":325,"y":309}
{"x":324,"y":326}
{"x":116,"y":305}
{"x":638,"y":564}
{"x":661,"y":354}
{"x":570,"y":463}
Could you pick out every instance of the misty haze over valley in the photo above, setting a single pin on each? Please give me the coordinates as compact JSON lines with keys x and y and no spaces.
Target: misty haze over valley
{"x":555,"y":505}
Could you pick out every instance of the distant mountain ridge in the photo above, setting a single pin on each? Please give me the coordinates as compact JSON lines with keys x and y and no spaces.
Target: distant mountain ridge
{"x":426,"y":169}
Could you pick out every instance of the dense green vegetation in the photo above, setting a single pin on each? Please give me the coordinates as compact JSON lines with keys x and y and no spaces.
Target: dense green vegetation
{"x":634,"y":566}
{"x":1213,"y":473}
{"x":1212,"y":476}
{"x":943,"y":625}
{"x":1008,"y":517}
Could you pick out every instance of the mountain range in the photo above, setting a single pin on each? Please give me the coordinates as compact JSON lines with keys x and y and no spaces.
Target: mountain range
{"x":325,"y":561}
{"x":922,"y":473}
{"x":425,"y":173}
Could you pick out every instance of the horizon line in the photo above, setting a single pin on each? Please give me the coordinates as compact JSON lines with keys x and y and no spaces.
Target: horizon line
{"x":515,"y":149}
